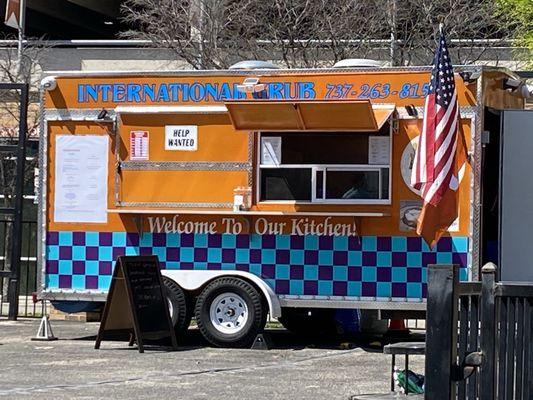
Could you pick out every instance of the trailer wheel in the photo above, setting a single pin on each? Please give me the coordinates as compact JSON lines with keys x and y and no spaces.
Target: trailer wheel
{"x":230,"y":312}
{"x":310,"y":322}
{"x":179,"y":306}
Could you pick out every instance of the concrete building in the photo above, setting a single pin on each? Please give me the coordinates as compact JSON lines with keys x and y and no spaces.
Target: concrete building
{"x":82,"y":35}
{"x":70,"y":19}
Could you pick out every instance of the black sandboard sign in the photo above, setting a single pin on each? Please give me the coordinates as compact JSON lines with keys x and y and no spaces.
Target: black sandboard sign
{"x":136,"y":302}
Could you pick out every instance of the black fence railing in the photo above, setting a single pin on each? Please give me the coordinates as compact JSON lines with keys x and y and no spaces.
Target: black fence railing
{"x":478,"y":343}
{"x":28,"y":268}
{"x":468,"y":336}
{"x":511,"y":363}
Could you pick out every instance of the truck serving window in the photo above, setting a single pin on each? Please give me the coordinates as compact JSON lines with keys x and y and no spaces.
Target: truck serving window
{"x":325,"y":167}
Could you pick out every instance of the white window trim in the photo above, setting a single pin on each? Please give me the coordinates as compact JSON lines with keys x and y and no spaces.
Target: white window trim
{"x":13,"y":158}
{"x":24,"y":196}
{"x":315,"y":168}
{"x":329,"y":167}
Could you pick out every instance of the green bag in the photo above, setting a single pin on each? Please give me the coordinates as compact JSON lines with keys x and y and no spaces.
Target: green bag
{"x":415,"y":382}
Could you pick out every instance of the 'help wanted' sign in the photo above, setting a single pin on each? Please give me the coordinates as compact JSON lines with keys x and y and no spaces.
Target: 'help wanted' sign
{"x":181,"y":137}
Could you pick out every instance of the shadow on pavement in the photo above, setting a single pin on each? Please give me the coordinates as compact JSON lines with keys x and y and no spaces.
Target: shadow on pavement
{"x":279,"y":339}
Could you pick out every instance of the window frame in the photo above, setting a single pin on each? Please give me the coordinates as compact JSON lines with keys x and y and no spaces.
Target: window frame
{"x":325,"y":167}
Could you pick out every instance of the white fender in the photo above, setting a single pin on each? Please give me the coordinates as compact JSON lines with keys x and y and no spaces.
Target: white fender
{"x":192,"y":280}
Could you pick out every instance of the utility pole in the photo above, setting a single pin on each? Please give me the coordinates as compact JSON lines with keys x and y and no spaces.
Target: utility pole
{"x":393,"y":9}
{"x":197,"y":17}
{"x":21,"y":25}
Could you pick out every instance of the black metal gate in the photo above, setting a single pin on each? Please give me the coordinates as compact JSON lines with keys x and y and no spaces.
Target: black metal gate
{"x":13,"y":148}
{"x":478,"y":343}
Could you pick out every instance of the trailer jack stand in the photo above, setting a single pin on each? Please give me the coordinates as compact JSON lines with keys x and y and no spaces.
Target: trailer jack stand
{"x":45,"y":333}
{"x":261,"y":342}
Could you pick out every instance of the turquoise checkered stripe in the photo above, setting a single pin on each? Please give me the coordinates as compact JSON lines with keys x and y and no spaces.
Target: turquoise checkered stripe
{"x":369,"y":266}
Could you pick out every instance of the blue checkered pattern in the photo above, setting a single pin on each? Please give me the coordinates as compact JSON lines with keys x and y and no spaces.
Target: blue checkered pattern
{"x":368,"y":266}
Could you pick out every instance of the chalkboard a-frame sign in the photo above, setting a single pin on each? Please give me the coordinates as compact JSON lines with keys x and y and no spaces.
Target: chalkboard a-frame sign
{"x":136,"y":302}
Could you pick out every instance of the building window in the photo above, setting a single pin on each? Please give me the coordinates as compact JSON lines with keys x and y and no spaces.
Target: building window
{"x":324,"y":167}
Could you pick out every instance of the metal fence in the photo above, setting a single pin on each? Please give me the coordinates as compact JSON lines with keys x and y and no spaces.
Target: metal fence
{"x":469,"y":297}
{"x":508,"y":372}
{"x":478,"y":337}
{"x":28,"y":269}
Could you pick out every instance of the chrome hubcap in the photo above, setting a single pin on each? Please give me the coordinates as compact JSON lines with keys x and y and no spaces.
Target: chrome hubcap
{"x":228,"y":313}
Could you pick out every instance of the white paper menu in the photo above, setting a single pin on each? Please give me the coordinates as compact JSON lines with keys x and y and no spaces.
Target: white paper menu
{"x":379,"y":150}
{"x":80,"y":193}
{"x":271,"y":150}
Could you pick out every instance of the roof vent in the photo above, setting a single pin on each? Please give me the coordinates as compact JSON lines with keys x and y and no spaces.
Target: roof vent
{"x":357,"y":63}
{"x":253,"y":64}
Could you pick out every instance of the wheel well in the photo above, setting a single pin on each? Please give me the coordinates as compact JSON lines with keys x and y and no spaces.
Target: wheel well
{"x":197,"y":291}
{"x":193,"y":282}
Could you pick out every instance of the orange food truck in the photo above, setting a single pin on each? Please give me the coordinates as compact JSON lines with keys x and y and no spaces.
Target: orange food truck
{"x":261,"y":191}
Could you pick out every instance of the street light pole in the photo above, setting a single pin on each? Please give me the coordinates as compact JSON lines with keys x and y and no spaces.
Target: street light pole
{"x":393,"y":9}
{"x":21,"y":25}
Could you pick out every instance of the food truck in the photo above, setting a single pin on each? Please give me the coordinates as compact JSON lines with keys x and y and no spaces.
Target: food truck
{"x":261,"y":191}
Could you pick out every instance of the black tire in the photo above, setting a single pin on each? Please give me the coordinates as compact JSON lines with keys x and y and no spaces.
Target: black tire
{"x":254,"y":324}
{"x":181,"y":312}
{"x":312,"y":322}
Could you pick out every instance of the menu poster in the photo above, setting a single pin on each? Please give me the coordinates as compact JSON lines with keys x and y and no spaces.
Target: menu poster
{"x":271,"y":150}
{"x":378,"y":150}
{"x":81,"y":164}
{"x":139,"y":145}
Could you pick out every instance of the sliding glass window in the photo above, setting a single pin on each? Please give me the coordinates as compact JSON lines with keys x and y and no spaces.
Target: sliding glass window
{"x":325,"y":167}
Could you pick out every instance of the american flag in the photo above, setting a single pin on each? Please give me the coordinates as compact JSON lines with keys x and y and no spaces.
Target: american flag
{"x":433,"y":168}
{"x":441,"y":151}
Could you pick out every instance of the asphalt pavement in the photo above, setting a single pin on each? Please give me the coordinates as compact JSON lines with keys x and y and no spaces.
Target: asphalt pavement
{"x":293,"y":368}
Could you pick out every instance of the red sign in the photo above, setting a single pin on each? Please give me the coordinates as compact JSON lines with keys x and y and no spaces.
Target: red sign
{"x":139,"y":145}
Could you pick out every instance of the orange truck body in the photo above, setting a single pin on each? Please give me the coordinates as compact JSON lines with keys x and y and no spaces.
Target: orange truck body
{"x":183,"y":204}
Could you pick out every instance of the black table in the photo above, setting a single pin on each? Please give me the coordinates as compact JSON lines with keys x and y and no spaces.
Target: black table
{"x":407,"y":349}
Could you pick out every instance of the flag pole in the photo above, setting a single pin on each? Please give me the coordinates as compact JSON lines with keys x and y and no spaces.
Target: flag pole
{"x":20,"y":47}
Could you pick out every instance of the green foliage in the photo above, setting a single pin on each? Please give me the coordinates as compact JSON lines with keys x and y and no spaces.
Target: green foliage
{"x":521,"y":14}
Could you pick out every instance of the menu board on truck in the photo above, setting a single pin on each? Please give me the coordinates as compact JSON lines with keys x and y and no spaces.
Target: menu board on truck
{"x":378,"y":150}
{"x":80,"y":193}
{"x":270,"y":150}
